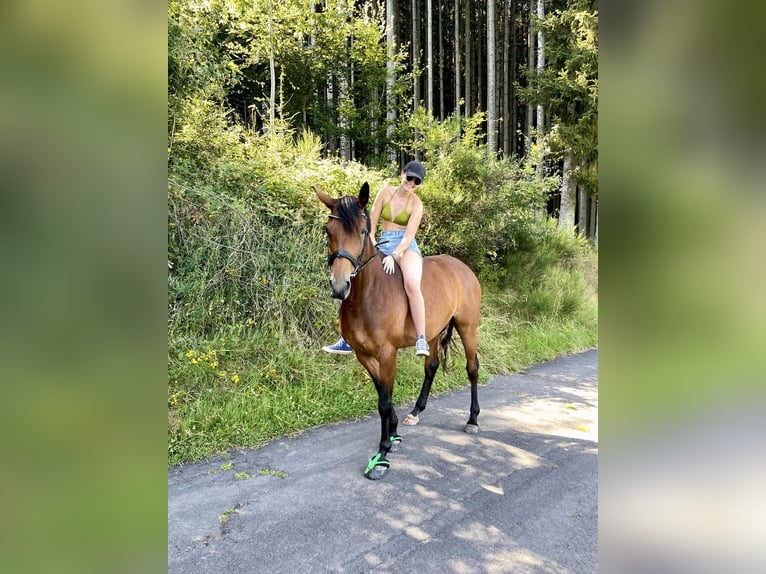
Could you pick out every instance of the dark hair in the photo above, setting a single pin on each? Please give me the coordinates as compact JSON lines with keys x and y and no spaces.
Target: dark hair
{"x":348,"y":211}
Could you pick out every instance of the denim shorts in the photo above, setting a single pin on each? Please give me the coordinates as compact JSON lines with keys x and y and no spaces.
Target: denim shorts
{"x":390,"y":240}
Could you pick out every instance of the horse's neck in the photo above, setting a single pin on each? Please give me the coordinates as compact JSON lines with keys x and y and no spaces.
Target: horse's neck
{"x":371,"y":275}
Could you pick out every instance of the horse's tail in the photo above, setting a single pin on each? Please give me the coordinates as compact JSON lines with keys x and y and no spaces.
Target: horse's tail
{"x":445,"y":338}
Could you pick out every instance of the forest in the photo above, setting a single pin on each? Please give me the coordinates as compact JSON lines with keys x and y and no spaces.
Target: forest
{"x":358,"y":74}
{"x":267,"y":101}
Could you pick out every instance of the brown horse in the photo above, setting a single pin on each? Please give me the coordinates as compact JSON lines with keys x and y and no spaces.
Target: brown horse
{"x":376,"y":321}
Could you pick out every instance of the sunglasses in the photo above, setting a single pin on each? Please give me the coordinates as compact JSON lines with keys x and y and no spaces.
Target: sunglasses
{"x":415,"y":179}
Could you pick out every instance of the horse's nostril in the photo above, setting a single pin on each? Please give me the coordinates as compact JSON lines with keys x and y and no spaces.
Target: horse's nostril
{"x":340,"y":290}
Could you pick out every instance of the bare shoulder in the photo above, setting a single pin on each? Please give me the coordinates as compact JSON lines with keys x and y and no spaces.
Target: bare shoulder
{"x":386,"y":193}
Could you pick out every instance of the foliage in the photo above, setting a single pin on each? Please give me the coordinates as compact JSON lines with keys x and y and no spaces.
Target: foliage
{"x":221,"y":50}
{"x":568,"y":86}
{"x":196,"y":64}
{"x":244,"y":244}
{"x":480,"y":209}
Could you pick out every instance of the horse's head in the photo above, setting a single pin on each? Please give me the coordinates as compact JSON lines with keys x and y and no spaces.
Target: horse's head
{"x":348,"y":229}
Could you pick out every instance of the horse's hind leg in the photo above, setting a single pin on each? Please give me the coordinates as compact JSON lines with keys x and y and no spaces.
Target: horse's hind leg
{"x":472,"y":367}
{"x":468,"y":337}
{"x":432,"y":365}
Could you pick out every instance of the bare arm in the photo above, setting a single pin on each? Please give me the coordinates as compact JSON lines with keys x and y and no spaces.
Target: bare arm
{"x":377,"y":207}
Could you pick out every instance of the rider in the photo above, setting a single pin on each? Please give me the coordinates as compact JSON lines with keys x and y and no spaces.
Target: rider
{"x":400,"y":211}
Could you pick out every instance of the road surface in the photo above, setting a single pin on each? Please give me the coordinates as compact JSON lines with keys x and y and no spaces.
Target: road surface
{"x":521,"y":496}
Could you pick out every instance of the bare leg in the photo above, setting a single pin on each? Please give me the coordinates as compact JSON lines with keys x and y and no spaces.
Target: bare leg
{"x":412,"y":270}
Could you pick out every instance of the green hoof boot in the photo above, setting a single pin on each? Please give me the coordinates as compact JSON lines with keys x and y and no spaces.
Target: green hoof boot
{"x":396,"y":442}
{"x":377,"y":467}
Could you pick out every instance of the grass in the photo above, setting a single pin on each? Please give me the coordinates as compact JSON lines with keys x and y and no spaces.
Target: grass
{"x":282,"y":388}
{"x":224,"y":518}
{"x":272,"y":472}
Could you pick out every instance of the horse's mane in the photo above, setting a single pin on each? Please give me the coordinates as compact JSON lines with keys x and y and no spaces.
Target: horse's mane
{"x":348,"y":211}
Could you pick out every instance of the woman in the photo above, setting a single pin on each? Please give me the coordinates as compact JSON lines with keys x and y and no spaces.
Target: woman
{"x":400,"y":211}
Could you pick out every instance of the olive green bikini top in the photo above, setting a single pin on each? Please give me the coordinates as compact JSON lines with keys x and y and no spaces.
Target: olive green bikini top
{"x":402,"y":218}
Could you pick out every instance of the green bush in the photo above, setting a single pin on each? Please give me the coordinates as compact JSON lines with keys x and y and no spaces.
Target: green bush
{"x":479,"y":209}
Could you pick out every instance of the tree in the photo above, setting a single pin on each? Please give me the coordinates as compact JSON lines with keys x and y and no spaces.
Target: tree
{"x":430,"y":52}
{"x":540,"y":68}
{"x":390,"y":75}
{"x":272,"y":69}
{"x":457,"y":59}
{"x":570,"y":88}
{"x":491,"y":87}
{"x":468,"y":101}
{"x":529,"y":74}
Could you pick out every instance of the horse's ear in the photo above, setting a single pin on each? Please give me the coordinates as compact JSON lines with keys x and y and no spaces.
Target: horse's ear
{"x":324,"y":198}
{"x":364,"y":195}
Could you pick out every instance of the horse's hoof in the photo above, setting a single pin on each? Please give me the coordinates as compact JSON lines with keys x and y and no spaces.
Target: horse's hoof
{"x":377,"y":472}
{"x":472,"y":429}
{"x":396,"y":441}
{"x":410,"y":420}
{"x":377,"y":467}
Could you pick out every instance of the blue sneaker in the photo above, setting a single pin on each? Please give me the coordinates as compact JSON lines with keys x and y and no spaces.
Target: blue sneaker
{"x":421,"y":347}
{"x":339,"y":348}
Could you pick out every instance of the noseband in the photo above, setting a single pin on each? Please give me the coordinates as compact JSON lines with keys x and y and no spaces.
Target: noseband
{"x":358,"y":262}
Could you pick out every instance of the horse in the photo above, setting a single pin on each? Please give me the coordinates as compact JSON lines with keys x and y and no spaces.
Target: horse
{"x":376,"y":321}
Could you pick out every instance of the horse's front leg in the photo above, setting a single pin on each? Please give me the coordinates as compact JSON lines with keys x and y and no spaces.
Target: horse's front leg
{"x":383,"y":380}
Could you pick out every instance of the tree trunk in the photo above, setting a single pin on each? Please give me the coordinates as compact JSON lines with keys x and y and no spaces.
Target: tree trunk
{"x":480,"y":67}
{"x":415,"y":56}
{"x":491,"y":87}
{"x":512,"y":118}
{"x":390,"y":77}
{"x":531,"y":71}
{"x":440,"y":25}
{"x":468,"y":107}
{"x":540,"y":68}
{"x":506,"y":83}
{"x":582,"y":211}
{"x":430,"y":55}
{"x":568,"y":196}
{"x":272,"y":70}
{"x":595,"y":221}
{"x":457,"y":59}
{"x":345,"y":146}
{"x":312,"y":43}
{"x":592,"y":224}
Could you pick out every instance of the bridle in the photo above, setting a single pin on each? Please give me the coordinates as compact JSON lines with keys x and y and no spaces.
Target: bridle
{"x":358,"y":262}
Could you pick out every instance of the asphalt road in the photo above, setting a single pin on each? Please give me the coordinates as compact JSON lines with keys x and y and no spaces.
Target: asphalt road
{"x":521,"y":496}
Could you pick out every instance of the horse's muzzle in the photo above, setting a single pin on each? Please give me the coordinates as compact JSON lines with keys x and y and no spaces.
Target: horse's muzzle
{"x":340,"y":289}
